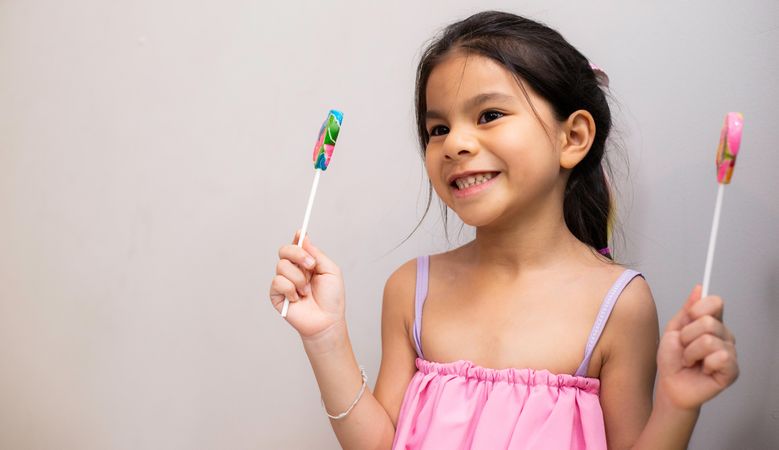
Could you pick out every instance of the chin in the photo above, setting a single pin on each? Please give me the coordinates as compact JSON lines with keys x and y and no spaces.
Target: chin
{"x":477,"y":219}
{"x":476,"y":214}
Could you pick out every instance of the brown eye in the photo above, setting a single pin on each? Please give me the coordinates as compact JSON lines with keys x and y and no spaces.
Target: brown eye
{"x":438,"y":130}
{"x":489,"y":116}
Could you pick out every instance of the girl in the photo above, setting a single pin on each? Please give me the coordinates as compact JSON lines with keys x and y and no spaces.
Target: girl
{"x":503,"y":343}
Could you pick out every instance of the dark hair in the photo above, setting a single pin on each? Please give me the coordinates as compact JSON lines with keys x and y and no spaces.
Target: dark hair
{"x":541,"y":57}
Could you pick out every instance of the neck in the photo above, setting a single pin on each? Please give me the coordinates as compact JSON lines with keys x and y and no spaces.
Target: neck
{"x":527,"y":242}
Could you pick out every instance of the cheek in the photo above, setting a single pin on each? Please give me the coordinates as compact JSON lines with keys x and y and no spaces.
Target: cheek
{"x":439,"y":186}
{"x":429,"y":168}
{"x":526,"y":148}
{"x":432,"y":169}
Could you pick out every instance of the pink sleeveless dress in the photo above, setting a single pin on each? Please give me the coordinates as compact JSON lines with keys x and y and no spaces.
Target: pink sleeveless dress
{"x":459,"y":405}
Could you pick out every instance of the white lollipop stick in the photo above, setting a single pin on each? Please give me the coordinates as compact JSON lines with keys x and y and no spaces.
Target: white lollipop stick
{"x":712,"y":241}
{"x":306,"y":218}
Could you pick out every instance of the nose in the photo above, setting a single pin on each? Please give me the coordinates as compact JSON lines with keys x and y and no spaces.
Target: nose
{"x":459,"y":144}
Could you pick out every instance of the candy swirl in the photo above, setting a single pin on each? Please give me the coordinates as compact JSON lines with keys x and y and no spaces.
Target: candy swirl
{"x":325,"y":144}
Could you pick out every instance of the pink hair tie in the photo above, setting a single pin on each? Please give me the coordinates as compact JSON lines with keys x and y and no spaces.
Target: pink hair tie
{"x":600,"y":75}
{"x":604,"y":251}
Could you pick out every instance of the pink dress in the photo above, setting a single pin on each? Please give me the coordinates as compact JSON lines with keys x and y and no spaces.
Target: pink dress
{"x":459,"y":405}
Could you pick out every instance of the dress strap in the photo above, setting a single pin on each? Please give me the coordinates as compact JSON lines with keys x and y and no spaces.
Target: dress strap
{"x":603,"y":316}
{"x":423,"y":264}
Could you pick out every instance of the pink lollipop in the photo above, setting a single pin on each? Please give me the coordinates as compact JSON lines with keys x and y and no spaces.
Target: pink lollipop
{"x":729,"y":143}
{"x":727,"y":150}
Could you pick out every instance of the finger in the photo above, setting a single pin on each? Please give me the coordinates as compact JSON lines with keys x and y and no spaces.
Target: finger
{"x":731,"y":336}
{"x":701,"y":348}
{"x":710,"y":305}
{"x":282,"y":288}
{"x":723,"y":362}
{"x":291,"y":272}
{"x":323,"y":263}
{"x":277,"y":300}
{"x":701,"y":326}
{"x":298,"y":256}
{"x":682,"y":317}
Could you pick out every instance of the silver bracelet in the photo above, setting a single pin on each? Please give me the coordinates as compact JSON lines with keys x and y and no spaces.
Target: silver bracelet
{"x":362,"y":389}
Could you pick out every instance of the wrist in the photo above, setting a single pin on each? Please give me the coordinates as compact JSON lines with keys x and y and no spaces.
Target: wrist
{"x":670,"y":426}
{"x":332,"y":338}
{"x":665,"y":405}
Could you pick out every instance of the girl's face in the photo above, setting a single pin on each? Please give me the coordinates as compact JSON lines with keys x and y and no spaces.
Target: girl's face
{"x":489,"y":158}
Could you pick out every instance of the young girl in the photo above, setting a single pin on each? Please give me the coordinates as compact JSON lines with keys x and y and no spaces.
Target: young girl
{"x":528,"y":336}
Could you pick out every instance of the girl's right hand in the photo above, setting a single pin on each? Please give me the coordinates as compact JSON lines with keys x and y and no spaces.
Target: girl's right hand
{"x":314,"y":286}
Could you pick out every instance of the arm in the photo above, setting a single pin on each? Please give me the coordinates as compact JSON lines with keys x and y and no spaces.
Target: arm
{"x":669,"y":427}
{"x":696,"y":361}
{"x":332,"y":359}
{"x":317,"y":312}
{"x":371,"y":424}
{"x":628,"y":371}
{"x":693,"y":368}
{"x":397,"y":350}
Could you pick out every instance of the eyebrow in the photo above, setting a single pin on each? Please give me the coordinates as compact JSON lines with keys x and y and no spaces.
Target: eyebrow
{"x":473,"y":102}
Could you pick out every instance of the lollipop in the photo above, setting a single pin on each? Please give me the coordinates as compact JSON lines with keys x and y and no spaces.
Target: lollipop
{"x":323,"y":152}
{"x":729,"y":144}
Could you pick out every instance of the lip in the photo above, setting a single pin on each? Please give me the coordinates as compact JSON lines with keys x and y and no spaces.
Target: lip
{"x":475,"y":189}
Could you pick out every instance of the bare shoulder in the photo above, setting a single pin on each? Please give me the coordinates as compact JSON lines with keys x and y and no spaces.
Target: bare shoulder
{"x":397,"y":350}
{"x":635,"y":309}
{"x":628,"y":372}
{"x":399,"y":290}
{"x":634,"y":314}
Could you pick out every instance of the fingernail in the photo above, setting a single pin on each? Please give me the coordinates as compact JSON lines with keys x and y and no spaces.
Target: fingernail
{"x":309,"y":262}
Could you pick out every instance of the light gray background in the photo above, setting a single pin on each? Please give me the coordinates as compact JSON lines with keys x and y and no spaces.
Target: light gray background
{"x":155,"y":154}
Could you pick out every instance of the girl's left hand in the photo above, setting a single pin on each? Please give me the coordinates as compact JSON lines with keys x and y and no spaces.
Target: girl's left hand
{"x":696,"y":359}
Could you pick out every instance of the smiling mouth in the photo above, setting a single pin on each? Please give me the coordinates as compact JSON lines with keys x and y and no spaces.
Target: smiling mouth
{"x":473,"y":180}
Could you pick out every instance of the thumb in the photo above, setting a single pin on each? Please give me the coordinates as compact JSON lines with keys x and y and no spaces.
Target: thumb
{"x":323,"y":263}
{"x":682,"y":318}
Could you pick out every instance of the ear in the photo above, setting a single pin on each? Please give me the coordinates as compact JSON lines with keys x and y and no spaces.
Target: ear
{"x":578,"y":134}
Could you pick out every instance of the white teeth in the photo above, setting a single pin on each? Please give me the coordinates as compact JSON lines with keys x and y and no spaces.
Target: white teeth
{"x":472,"y":180}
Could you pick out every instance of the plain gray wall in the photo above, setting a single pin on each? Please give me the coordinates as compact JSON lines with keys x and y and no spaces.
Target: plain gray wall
{"x":155,"y":154}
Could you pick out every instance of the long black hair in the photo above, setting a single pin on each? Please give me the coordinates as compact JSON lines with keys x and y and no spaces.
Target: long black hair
{"x":558,"y":72}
